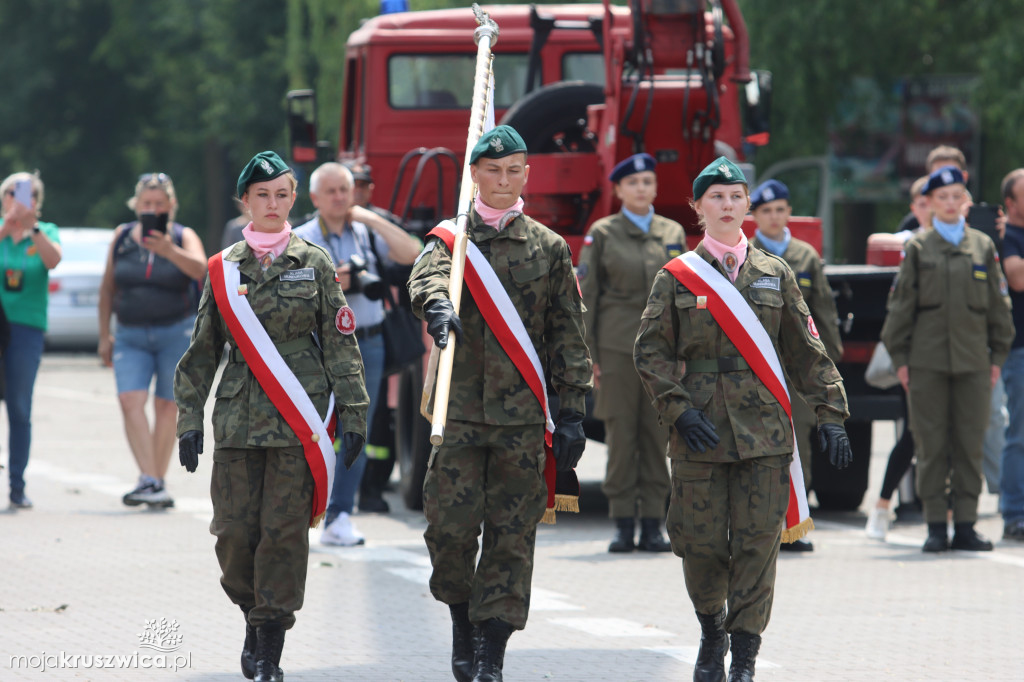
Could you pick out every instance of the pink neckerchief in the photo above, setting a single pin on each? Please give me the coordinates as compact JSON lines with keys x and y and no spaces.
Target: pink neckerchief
{"x":263,"y":243}
{"x":718,"y":250}
{"x":495,"y":216}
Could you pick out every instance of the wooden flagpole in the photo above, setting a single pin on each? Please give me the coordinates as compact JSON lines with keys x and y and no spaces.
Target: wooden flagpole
{"x":485,"y":35}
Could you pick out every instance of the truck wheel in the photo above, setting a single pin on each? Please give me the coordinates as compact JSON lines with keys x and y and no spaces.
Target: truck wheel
{"x":554,"y":118}
{"x":843,"y":490}
{"x":412,"y":436}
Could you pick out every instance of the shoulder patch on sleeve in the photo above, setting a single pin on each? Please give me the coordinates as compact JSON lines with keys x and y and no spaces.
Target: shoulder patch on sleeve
{"x":426,"y":249}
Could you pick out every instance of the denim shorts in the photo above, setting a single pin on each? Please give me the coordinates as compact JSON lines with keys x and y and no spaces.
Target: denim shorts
{"x":142,"y":352}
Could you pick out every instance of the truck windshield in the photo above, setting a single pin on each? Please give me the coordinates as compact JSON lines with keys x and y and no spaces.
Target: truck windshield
{"x":445,"y":81}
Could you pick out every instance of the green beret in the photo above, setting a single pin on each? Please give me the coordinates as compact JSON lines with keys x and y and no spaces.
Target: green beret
{"x":721,"y":171}
{"x":264,"y":166}
{"x":497,"y":143}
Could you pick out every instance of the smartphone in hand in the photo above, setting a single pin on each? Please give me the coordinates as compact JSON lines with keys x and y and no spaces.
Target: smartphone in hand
{"x":983,"y":217}
{"x":153,"y":222}
{"x":23,"y":192}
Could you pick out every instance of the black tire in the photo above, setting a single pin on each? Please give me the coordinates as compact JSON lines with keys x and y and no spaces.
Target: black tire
{"x":554,"y":118}
{"x":412,"y":437}
{"x":843,"y":490}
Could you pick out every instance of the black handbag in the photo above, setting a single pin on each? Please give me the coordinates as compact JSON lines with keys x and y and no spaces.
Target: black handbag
{"x":402,"y":331}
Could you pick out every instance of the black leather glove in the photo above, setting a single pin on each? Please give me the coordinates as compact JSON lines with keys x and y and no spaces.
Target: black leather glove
{"x":189,"y":446}
{"x":836,"y":444}
{"x":351,"y":445}
{"x":568,"y":441}
{"x":441,"y":318}
{"x":697,"y":430}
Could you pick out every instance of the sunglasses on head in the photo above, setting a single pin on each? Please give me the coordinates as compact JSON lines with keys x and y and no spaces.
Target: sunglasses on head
{"x":154,"y":178}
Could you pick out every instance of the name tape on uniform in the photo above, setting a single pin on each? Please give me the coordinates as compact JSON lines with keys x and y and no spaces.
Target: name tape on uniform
{"x":767,"y":283}
{"x":300,"y":275}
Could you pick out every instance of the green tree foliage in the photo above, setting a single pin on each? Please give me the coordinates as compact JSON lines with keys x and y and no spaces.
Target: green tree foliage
{"x":99,"y":91}
{"x":815,"y":49}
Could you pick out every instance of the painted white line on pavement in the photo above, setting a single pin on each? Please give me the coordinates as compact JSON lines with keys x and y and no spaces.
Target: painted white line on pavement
{"x":364,"y":553}
{"x":418,"y":575}
{"x":611,"y":627}
{"x":77,"y":396}
{"x":111,"y":486}
{"x":546,"y":600}
{"x":688,"y":654}
{"x":899,"y":540}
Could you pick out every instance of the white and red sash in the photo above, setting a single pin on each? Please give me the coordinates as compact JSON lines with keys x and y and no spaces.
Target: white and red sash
{"x":744,"y":329}
{"x":502,"y":317}
{"x":277,"y":380}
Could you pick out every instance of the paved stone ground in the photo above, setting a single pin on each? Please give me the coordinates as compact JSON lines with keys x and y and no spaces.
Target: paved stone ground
{"x":83,"y":574}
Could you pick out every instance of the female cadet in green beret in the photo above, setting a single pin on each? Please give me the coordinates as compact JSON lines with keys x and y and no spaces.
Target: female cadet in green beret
{"x":948,"y":331}
{"x":267,"y":485}
{"x":733,"y":441}
{"x":621,"y":255}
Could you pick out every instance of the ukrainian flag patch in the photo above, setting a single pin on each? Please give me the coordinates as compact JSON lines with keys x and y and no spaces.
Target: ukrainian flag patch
{"x":981,"y":273}
{"x":803,"y":280}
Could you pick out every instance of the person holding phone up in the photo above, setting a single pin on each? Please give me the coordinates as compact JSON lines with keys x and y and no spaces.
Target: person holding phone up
{"x":29,"y":249}
{"x":152,"y":264}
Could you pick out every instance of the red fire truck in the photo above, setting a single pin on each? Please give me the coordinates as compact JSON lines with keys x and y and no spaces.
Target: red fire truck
{"x":585,"y":85}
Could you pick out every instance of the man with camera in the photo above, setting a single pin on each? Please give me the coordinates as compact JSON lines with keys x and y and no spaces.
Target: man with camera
{"x":361,"y":244}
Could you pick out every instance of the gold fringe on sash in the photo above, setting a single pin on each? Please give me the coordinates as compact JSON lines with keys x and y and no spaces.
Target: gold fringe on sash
{"x":798,"y":531}
{"x":549,"y":516}
{"x":317,"y":520}
{"x":567,"y":503}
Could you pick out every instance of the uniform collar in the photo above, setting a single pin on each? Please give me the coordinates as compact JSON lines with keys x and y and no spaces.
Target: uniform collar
{"x":250,"y":266}
{"x":756,"y":265}
{"x":481,"y":231}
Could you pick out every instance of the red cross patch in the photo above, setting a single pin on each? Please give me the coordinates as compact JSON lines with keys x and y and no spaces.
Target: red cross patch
{"x":811,"y":328}
{"x":345,"y":320}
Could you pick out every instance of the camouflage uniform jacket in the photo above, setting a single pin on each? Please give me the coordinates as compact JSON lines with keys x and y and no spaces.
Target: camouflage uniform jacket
{"x":805,"y":263}
{"x":535,"y":267}
{"x":949,"y":308}
{"x":243,"y":415}
{"x":617,"y":267}
{"x":750,"y":421}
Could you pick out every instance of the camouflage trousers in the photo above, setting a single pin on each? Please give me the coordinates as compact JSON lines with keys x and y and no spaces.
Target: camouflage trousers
{"x":261,"y":504}
{"x":489,"y":476}
{"x":725,"y":521}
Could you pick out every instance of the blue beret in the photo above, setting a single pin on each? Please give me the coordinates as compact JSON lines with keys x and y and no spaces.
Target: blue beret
{"x":721,"y":171}
{"x":262,"y":167}
{"x":498,"y":142}
{"x":947,"y":175}
{"x":769,"y":190}
{"x":638,"y":163}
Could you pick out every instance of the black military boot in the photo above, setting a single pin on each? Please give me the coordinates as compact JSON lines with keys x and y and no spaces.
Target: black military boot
{"x":651,"y":539}
{"x":623,"y":540}
{"x":491,"y":637}
{"x":714,"y":642}
{"x":269,"y":644}
{"x":937,"y":540}
{"x":744,"y":654}
{"x":462,"y":642}
{"x":966,"y":538}
{"x":249,"y":649}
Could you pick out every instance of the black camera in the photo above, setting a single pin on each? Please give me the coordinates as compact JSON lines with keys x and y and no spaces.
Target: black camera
{"x":362,"y":280}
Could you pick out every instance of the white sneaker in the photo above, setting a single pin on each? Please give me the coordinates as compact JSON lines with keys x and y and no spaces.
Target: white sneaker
{"x":878,"y":523}
{"x":342,"y":532}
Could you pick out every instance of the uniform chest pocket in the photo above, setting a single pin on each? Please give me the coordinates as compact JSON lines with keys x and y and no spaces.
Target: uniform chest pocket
{"x":977,"y":290}
{"x":297,"y":289}
{"x":767,"y":304}
{"x":929,"y":284}
{"x":695,"y":323}
{"x":530,"y":270}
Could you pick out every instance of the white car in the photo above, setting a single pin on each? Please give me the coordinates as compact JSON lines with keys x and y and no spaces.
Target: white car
{"x":73,"y":315}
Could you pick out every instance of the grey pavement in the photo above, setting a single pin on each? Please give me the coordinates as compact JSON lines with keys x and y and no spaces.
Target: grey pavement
{"x":86,"y":580}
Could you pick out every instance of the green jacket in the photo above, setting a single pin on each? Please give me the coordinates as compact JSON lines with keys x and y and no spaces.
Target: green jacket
{"x":535,"y":268}
{"x":676,"y":329}
{"x":243,"y":415}
{"x":810,"y":277}
{"x":949,"y":309}
{"x":616,"y":269}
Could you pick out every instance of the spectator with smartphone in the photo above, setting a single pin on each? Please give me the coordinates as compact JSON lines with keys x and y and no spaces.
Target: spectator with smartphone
{"x":29,"y":249}
{"x":152,"y":265}
{"x":1011,"y":479}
